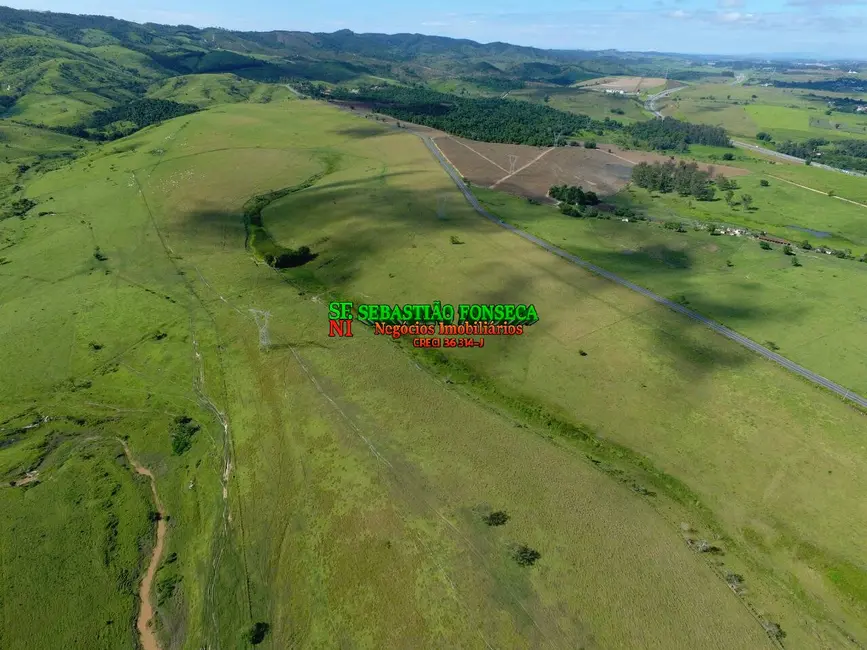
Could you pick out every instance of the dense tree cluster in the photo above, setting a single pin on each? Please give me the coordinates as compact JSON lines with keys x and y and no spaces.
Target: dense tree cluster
{"x":120,"y":121}
{"x":684,"y":178}
{"x":841,"y":104}
{"x":491,"y":120}
{"x":839,"y":85}
{"x":573,"y":195}
{"x":669,"y":134}
{"x":805,"y":149}
{"x":844,"y":154}
{"x":141,"y":112}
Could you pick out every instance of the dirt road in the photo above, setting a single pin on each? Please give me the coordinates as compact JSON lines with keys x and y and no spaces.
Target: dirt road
{"x":146,"y":613}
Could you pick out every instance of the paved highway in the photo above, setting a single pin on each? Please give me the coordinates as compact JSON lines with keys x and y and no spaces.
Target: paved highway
{"x":689,"y":313}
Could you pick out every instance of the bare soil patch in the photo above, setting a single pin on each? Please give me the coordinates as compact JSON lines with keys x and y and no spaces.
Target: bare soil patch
{"x":605,"y":170}
{"x":626,"y":84}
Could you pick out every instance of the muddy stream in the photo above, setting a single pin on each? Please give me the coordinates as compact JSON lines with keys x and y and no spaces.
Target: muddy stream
{"x":146,"y":613}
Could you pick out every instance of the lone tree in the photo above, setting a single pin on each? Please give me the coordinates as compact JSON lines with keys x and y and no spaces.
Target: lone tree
{"x":497,"y":518}
{"x":730,"y":198}
{"x":747,"y":201}
{"x":257,"y":633}
{"x":764,"y":183}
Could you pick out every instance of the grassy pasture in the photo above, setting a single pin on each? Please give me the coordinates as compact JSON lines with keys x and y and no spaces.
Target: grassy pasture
{"x":358,"y":471}
{"x":73,"y":542}
{"x":781,"y":208}
{"x":721,"y":381}
{"x":382,"y":549}
{"x":746,"y":110}
{"x":761,"y":295}
{"x":597,"y":105}
{"x":211,"y":89}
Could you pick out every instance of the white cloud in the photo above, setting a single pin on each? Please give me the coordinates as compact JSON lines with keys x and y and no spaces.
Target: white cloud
{"x":678,"y":13}
{"x":731,"y":4}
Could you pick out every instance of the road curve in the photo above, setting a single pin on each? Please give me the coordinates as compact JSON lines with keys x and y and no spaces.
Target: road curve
{"x":650,"y":104}
{"x":843,"y":392}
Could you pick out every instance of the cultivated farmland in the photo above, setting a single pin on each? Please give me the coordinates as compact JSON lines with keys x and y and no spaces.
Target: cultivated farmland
{"x":531,"y":171}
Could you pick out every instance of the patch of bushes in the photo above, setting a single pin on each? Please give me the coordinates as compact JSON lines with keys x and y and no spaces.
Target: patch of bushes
{"x":290,"y":258}
{"x":526,"y":556}
{"x":99,"y":255}
{"x":166,"y":588}
{"x":257,"y":633}
{"x":496,"y":518}
{"x":765,"y":246}
{"x":573,"y":195}
{"x":182,"y":432}
{"x":455,"y":240}
{"x":20,"y":207}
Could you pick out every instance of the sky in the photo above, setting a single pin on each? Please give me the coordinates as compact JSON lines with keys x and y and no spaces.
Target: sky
{"x":826,"y":28}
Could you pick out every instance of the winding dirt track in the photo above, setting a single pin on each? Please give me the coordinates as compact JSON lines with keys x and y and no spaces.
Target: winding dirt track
{"x":146,"y":613}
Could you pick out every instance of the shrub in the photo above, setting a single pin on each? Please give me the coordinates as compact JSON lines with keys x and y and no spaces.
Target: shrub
{"x":257,"y":633}
{"x":455,"y":240}
{"x":764,"y":245}
{"x":589,"y":144}
{"x":290,"y":258}
{"x":98,"y":254}
{"x":788,"y":250}
{"x":795,"y":261}
{"x":728,"y":156}
{"x":764,"y":183}
{"x":807,"y":246}
{"x":182,"y":433}
{"x":774,"y":630}
{"x":526,"y":556}
{"x":497,"y":518}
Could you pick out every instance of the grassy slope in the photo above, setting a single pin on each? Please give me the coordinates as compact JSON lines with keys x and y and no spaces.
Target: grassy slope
{"x":381,"y":549}
{"x":639,"y":356}
{"x":60,"y":83}
{"x":71,"y":545}
{"x":211,"y":89}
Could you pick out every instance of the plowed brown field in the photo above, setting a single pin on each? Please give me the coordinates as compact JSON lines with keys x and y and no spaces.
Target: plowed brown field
{"x":531,"y":171}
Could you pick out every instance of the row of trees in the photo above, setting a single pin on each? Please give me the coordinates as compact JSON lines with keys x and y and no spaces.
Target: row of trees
{"x":684,"y":178}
